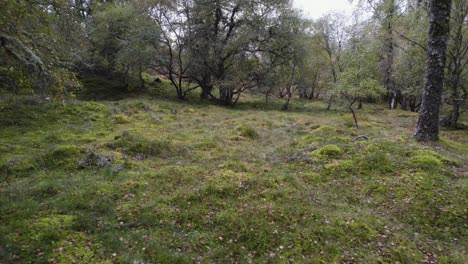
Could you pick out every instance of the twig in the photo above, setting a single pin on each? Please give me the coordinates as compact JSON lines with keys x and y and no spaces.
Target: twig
{"x":360,"y":137}
{"x":401,"y":35}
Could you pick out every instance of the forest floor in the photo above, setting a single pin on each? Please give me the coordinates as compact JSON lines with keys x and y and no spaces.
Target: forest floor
{"x":145,"y":180}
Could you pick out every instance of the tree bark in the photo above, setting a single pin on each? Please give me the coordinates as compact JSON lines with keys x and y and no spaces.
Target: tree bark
{"x":206,"y":88}
{"x":226,"y":95}
{"x":428,"y":122}
{"x":404,"y":103}
{"x":451,"y":120}
{"x":388,"y":81}
{"x":329,"y":104}
{"x":285,"y":106}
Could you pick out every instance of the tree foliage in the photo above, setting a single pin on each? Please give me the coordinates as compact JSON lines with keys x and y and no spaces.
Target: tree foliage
{"x":224,"y":48}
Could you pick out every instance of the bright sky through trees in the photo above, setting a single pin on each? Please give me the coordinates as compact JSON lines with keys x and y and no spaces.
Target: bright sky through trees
{"x":317,"y":8}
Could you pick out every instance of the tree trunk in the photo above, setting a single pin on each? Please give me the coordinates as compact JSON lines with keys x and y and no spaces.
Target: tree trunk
{"x":285,"y":106}
{"x":413,"y":103}
{"x":388,"y":82}
{"x":404,"y":103}
{"x":428,"y":122}
{"x":351,"y":102}
{"x":330,"y":102}
{"x":226,"y":95}
{"x":393,"y":101}
{"x":140,"y":76}
{"x":303,"y":94}
{"x":206,"y":88}
{"x":451,"y":120}
{"x":125,"y":77}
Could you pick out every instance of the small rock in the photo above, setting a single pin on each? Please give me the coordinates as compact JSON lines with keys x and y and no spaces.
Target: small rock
{"x":14,"y":258}
{"x":156,"y":118}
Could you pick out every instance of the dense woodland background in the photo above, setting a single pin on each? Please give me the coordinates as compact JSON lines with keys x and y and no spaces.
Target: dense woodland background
{"x":232,"y":131}
{"x":225,"y":48}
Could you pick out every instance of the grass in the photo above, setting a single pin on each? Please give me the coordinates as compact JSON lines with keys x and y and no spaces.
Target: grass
{"x":152,"y":181}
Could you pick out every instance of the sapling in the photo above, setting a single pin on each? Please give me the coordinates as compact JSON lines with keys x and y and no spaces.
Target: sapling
{"x":353,"y":86}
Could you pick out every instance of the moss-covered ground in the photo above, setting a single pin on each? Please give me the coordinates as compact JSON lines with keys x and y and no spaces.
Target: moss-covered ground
{"x":145,"y":180}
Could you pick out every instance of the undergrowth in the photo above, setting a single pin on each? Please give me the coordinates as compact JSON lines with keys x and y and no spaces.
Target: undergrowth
{"x":153,"y":181}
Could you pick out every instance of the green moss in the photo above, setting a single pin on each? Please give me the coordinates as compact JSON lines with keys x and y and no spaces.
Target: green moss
{"x":348,"y":122}
{"x":92,"y":200}
{"x":5,"y":149}
{"x":50,"y":228}
{"x":426,"y":160}
{"x":405,"y":251}
{"x":178,"y":174}
{"x":94,"y":107}
{"x":227,"y":177}
{"x":206,"y":144}
{"x":47,"y":188}
{"x":234,"y":165}
{"x":323,"y":131}
{"x":121,"y":119}
{"x":338,"y":140}
{"x":140,"y":147}
{"x":328,"y":151}
{"x":309,"y":140}
{"x":138,"y":105}
{"x":320,"y":136}
{"x":82,"y":250}
{"x":362,"y":232}
{"x":132,"y":186}
{"x":267,"y":124}
{"x":17,"y":165}
{"x":313,"y":177}
{"x":247,"y":132}
{"x":374,"y":159}
{"x":339,"y":168}
{"x":64,"y":157}
{"x":185,"y":189}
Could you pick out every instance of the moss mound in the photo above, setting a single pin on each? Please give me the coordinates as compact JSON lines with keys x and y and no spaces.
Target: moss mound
{"x":328,"y":151}
{"x":426,"y":160}
{"x":140,"y":147}
{"x":10,"y":165}
{"x":323,"y":131}
{"x":64,"y":157}
{"x":247,"y":132}
{"x":121,"y":119}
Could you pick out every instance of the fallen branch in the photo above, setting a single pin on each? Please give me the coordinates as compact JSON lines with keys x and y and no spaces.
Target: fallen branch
{"x":360,"y":137}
